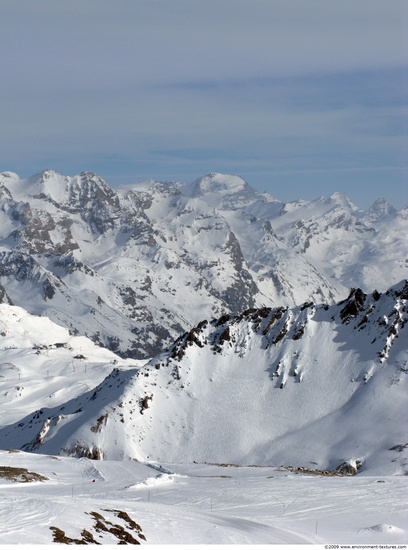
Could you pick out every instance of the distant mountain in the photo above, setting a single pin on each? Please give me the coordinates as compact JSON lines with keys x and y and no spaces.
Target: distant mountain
{"x":310,"y":386}
{"x":134,"y":268}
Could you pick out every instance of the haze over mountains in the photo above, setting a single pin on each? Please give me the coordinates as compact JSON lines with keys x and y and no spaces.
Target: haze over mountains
{"x":135,"y":268}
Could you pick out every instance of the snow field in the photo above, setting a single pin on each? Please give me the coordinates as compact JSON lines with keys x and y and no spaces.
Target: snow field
{"x":200,"y":503}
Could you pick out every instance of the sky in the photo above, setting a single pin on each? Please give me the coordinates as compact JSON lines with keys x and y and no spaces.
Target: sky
{"x":301,"y":99}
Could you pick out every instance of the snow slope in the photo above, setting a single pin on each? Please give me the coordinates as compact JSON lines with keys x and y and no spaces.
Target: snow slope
{"x":42,"y":364}
{"x":267,"y":403}
{"x":312,"y":386}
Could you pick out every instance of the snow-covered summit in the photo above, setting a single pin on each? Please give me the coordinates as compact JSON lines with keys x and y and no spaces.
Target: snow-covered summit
{"x":65,"y":191}
{"x":46,"y":184}
{"x":216,"y":182}
{"x":222,"y":190}
{"x":343,"y":200}
{"x":8,"y":177}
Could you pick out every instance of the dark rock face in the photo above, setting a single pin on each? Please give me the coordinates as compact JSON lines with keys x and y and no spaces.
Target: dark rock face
{"x":354,"y":304}
{"x":240,"y":294}
{"x":21,"y":266}
{"x":24,"y":268}
{"x":4,"y":298}
{"x":347,"y":469}
{"x":20,"y":212}
{"x":403,"y":291}
{"x":69,"y":265}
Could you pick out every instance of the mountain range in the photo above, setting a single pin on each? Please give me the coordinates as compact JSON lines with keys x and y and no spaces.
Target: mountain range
{"x":316,"y":386}
{"x":202,"y":322}
{"x":134,"y":268}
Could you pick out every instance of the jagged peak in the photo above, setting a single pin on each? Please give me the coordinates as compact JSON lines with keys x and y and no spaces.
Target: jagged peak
{"x":380,"y":209}
{"x":64,"y":190}
{"x":46,"y":174}
{"x":399,"y":290}
{"x":88,"y":176}
{"x":89,"y":183}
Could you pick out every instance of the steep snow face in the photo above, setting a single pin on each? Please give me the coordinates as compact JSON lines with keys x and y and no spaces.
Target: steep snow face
{"x":136,"y":268}
{"x":312,"y":386}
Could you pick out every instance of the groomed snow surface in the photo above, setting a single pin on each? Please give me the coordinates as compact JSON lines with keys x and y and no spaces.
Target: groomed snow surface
{"x":196,"y":504}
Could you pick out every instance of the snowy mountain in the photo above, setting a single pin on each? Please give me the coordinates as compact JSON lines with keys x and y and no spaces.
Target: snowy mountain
{"x":135,"y":268}
{"x":281,"y":375}
{"x":312,"y":386}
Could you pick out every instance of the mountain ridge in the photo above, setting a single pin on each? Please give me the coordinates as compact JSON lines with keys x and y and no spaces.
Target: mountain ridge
{"x":311,"y":386}
{"x":161,"y":256}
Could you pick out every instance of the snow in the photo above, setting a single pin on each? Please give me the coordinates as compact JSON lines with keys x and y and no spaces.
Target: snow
{"x":41,"y":364}
{"x":48,"y":182}
{"x":200,"y":503}
{"x":234,"y":434}
{"x":306,"y":387}
{"x":216,"y":183}
{"x":156,"y":258}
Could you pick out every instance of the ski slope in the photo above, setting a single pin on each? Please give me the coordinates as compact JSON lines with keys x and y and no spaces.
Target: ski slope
{"x":197,"y":504}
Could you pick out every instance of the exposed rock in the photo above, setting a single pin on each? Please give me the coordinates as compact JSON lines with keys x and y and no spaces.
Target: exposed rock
{"x":354,"y":304}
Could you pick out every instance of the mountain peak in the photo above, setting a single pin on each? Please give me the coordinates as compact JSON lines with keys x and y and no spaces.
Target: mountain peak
{"x":46,"y":183}
{"x":380,"y":209}
{"x":343,"y":200}
{"x":216,"y":182}
{"x":67,"y":190}
{"x":9,"y":175}
{"x":229,"y":191}
{"x":46,"y":174}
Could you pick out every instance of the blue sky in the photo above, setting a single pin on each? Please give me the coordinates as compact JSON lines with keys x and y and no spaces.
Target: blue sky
{"x":302,"y":99}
